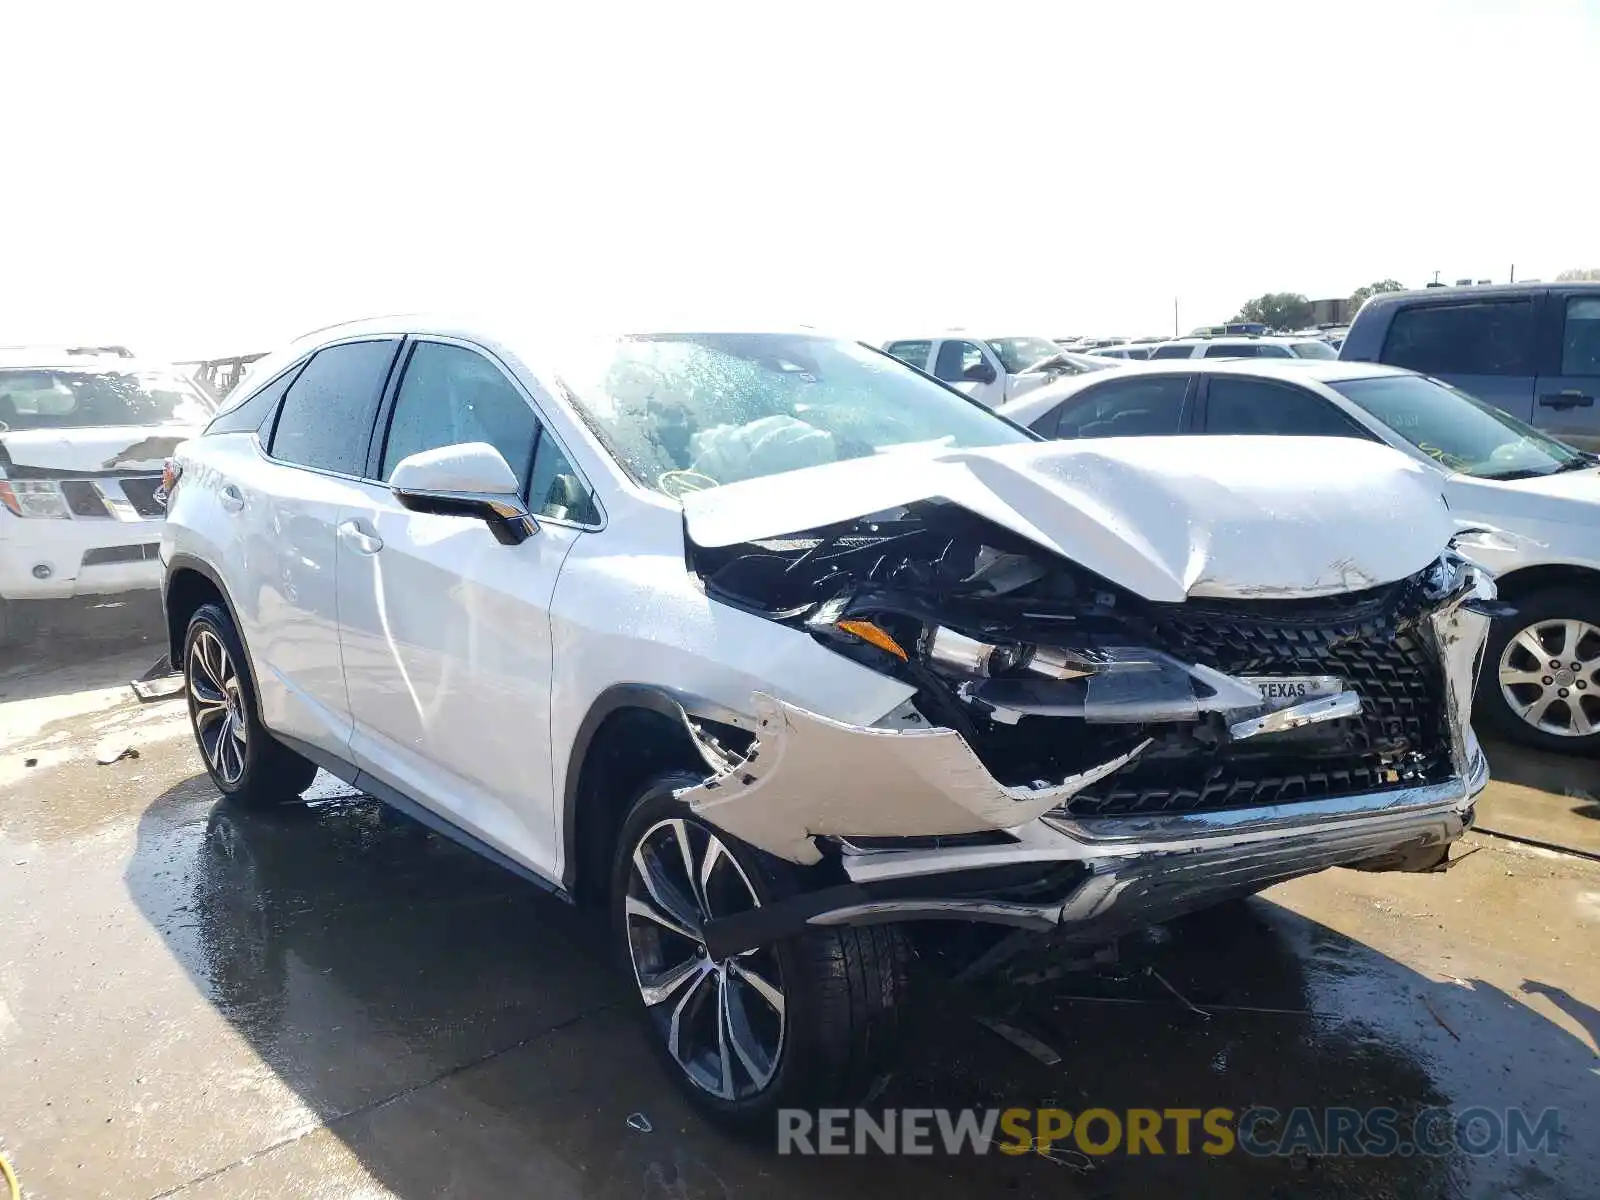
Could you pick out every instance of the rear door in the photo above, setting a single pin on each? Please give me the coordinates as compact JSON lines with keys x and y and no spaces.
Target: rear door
{"x":1483,"y":346}
{"x":1569,"y":379}
{"x":445,"y":632}
{"x":285,"y":510}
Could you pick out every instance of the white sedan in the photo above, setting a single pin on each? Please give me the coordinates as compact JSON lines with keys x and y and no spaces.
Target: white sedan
{"x":1536,"y":500}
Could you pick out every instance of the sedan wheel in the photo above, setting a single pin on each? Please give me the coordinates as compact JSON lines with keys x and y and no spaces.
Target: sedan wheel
{"x":216,"y":705}
{"x":1549,"y":676}
{"x":723,"y":1021}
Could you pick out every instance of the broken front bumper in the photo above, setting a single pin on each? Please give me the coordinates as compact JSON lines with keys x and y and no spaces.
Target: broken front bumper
{"x":808,"y":777}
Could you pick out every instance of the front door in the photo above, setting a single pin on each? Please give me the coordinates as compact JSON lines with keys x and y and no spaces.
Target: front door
{"x":445,"y":632}
{"x":1565,"y":403}
{"x":971,"y":368}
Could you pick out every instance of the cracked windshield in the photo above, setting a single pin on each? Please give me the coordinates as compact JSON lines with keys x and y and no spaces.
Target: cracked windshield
{"x":684,"y":413}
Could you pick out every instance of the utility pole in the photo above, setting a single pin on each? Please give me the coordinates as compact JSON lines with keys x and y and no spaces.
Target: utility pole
{"x":1174,"y":316}
{"x":1513,"y":272}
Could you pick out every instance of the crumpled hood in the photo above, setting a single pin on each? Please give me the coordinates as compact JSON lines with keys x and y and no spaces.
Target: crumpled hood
{"x":92,"y":451}
{"x":1166,"y":518}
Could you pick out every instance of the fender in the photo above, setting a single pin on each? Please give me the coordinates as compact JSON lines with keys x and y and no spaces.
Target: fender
{"x":183,"y":561}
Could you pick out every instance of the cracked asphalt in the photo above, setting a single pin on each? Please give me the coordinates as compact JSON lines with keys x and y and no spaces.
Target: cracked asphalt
{"x":330,"y":1002}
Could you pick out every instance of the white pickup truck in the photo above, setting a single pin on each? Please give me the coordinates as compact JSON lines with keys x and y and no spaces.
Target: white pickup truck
{"x":993,"y":371}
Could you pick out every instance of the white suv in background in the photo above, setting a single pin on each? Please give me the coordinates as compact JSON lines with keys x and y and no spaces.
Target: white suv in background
{"x":773,"y":645}
{"x":1244,"y":347}
{"x":993,"y":371}
{"x":82,"y":442}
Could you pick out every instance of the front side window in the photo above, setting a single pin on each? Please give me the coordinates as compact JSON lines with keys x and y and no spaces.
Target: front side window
{"x":450,"y":395}
{"x":682,"y":412}
{"x":956,"y":359}
{"x":1145,"y":407}
{"x":1481,"y":338}
{"x":74,"y":398}
{"x":1237,"y":404}
{"x":1459,"y":432}
{"x":1580,"y":336}
{"x":1173,"y":351}
{"x":1019,"y":353}
{"x":327,"y":416}
{"x":1233,"y":350}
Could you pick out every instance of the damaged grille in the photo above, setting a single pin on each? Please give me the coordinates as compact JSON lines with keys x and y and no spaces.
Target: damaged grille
{"x":141,"y":493}
{"x":1372,"y":640}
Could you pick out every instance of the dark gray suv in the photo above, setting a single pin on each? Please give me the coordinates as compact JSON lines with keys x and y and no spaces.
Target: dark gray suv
{"x":1532,"y":349}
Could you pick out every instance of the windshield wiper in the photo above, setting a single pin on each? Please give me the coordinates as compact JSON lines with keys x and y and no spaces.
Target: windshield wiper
{"x":1519,"y":473}
{"x":1578,"y":464}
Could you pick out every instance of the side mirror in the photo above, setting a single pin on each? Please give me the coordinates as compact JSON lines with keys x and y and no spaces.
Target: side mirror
{"x":978,"y":372}
{"x":468,"y":480}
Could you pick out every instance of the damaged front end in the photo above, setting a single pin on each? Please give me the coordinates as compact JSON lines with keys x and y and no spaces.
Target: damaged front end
{"x":1060,"y":718}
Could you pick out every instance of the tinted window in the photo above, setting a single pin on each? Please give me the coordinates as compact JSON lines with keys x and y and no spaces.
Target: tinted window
{"x":249,"y":413}
{"x":1233,"y":350}
{"x":915,"y":353}
{"x":326,"y":419}
{"x":1316,"y":349}
{"x":1126,"y":408}
{"x":1172,"y":352}
{"x":450,"y":395}
{"x":1236,"y":405}
{"x":1580,"y":339}
{"x":1486,"y":338}
{"x":955,"y":359}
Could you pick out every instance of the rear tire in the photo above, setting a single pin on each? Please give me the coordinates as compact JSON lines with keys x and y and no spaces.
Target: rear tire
{"x":247,"y":764}
{"x":1514,"y":698}
{"x":806,"y":1022}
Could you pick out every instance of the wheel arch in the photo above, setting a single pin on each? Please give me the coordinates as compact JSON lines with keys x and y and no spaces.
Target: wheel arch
{"x":189,"y":583}
{"x":1524,"y":581}
{"x":631,"y":731}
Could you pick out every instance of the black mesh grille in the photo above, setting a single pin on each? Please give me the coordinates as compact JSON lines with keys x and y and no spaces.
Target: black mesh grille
{"x":105,"y":555}
{"x":83,"y":499}
{"x":141,"y":493}
{"x":1372,"y":640}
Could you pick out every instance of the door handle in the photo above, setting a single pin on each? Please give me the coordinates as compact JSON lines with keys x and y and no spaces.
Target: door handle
{"x":232,"y":498}
{"x":360,"y":541}
{"x":1570,"y":398}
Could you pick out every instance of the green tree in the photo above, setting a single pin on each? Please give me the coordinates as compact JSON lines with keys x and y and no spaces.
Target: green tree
{"x":1359,"y":296}
{"x":1578,"y":273}
{"x":1277,"y":310}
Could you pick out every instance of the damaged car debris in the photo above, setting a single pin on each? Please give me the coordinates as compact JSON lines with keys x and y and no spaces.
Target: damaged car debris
{"x":794,"y":645}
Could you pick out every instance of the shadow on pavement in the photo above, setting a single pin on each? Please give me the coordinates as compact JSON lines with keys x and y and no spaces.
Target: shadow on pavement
{"x":77,"y":645}
{"x":464,"y":1034}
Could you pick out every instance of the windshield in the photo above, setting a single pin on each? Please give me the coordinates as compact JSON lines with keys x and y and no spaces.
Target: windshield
{"x":1459,"y":432}
{"x":66,"y":398}
{"x":1314,"y":349}
{"x":1018,"y":354}
{"x":682,"y":412}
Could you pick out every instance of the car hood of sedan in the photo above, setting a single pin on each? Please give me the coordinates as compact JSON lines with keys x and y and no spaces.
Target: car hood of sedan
{"x":1166,"y":518}
{"x":92,"y":450}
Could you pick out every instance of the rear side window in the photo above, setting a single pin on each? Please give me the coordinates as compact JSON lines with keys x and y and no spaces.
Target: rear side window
{"x":1125,"y":408}
{"x":1492,"y":337}
{"x":1172,"y":352}
{"x":1580,"y":337}
{"x":327,"y":415}
{"x":1233,"y":351}
{"x":915,"y":353}
{"x":1239,"y":405}
{"x":249,"y":414}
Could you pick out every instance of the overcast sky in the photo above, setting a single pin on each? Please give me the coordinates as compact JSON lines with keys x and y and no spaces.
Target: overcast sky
{"x":219,"y":177}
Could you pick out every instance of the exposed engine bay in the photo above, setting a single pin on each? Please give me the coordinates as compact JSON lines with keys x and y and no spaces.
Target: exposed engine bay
{"x":1048,"y":670}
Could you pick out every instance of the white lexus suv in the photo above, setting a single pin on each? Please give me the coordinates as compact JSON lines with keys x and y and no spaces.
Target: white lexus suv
{"x":775,"y":645}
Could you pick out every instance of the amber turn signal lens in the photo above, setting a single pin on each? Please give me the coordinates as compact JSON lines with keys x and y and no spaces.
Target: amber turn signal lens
{"x":868,"y":632}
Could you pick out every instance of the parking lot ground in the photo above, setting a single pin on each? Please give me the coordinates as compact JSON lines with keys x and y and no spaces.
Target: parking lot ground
{"x":327,"y":1001}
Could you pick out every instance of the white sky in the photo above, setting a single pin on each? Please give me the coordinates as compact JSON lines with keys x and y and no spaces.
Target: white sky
{"x":215,"y":178}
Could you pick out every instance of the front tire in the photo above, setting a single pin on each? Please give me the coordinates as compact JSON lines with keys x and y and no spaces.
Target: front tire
{"x":1541,"y":675}
{"x":806,"y":1022}
{"x":247,"y":764}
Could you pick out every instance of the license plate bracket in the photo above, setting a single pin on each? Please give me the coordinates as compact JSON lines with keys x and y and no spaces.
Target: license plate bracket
{"x":1285,"y":691}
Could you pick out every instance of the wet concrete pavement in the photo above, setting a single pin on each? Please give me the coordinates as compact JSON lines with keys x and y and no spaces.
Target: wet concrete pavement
{"x":327,"y":1001}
